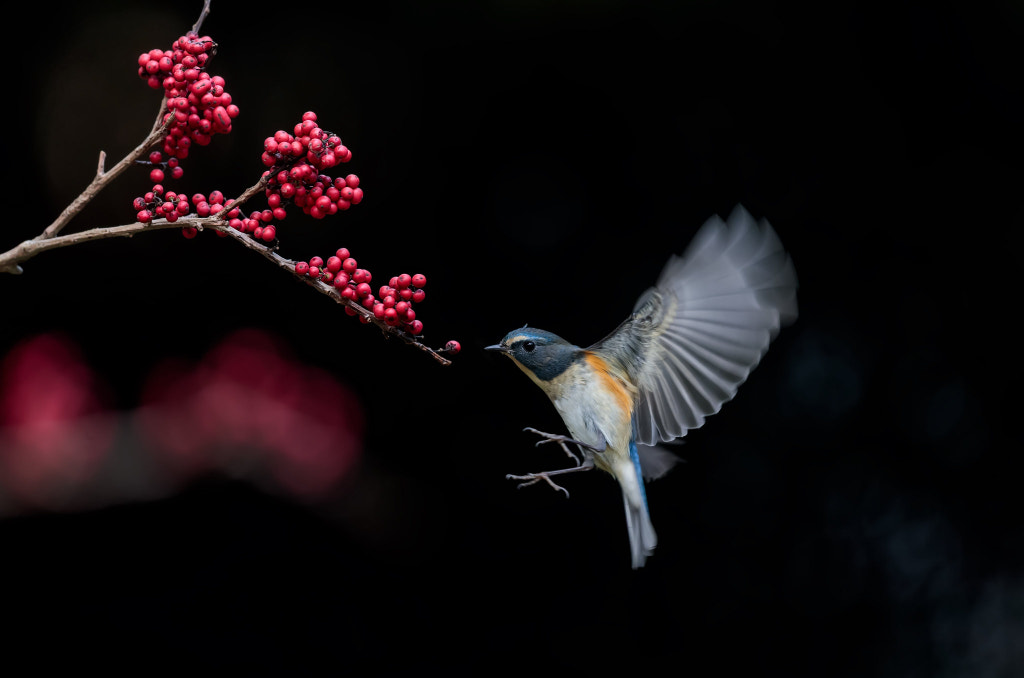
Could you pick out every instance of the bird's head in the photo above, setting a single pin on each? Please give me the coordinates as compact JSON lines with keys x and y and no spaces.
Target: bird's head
{"x":541,"y":354}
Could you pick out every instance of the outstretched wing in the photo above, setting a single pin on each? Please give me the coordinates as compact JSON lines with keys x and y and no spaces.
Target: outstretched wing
{"x":695,"y":336}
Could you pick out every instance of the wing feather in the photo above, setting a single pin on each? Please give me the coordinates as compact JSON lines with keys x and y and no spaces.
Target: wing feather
{"x":696,"y":335}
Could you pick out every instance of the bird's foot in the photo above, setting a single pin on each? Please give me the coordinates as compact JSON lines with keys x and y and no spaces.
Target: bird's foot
{"x":562,"y":440}
{"x":531,"y":478}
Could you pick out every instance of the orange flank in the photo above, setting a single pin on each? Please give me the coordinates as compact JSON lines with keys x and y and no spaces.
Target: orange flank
{"x":610,"y":383}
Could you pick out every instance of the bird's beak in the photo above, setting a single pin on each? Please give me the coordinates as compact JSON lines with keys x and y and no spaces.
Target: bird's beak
{"x":499,"y":348}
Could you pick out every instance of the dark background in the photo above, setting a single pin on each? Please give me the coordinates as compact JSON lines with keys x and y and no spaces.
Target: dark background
{"x":853,"y":512}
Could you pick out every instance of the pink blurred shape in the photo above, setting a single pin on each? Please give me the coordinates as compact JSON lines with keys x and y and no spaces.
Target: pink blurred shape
{"x":249,"y":409}
{"x":53,"y":433}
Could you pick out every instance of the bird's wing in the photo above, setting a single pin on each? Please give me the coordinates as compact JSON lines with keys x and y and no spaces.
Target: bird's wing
{"x":695,"y":336}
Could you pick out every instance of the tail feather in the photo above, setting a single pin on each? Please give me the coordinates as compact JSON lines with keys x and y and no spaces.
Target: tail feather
{"x":642,"y":538}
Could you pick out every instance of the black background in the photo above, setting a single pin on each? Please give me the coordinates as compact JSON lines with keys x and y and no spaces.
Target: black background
{"x":853,"y":512}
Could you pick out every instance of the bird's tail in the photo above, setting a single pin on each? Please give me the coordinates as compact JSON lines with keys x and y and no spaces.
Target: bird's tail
{"x":642,"y":538}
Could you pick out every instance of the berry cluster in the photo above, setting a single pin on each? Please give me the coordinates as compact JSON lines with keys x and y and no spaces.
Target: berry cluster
{"x":394,"y":303}
{"x":196,"y":100}
{"x":297,"y":164}
{"x":170,"y":205}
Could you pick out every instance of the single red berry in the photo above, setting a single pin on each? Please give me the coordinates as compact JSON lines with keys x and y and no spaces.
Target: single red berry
{"x":418,"y":296}
{"x":156,"y":175}
{"x":349,"y":265}
{"x":301,"y":267}
{"x":316,"y":261}
{"x":401,"y":307}
{"x":419,"y":280}
{"x":404,"y":281}
{"x":190,"y":232}
{"x":144,"y":216}
{"x":363,"y":290}
{"x":453,"y":346}
{"x":390,"y":315}
{"x":378,"y":311}
{"x":342,"y":253}
{"x":333,"y":264}
{"x":314,"y":271}
{"x":415,"y":327}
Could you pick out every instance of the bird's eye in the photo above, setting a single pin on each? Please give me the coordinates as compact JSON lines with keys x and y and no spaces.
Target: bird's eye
{"x":529,"y":346}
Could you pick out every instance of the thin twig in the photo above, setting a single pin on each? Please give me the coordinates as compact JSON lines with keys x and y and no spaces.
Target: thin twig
{"x":202,"y":17}
{"x":103,"y":178}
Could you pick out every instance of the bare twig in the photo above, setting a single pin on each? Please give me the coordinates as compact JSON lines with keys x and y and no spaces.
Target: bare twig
{"x":102,"y":178}
{"x":202,"y":17}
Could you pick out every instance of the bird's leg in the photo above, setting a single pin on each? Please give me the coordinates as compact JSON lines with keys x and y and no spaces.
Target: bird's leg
{"x":531,"y":478}
{"x":562,"y":440}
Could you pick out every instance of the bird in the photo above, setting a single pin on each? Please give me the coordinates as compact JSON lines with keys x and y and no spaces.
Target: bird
{"x":690,"y":342}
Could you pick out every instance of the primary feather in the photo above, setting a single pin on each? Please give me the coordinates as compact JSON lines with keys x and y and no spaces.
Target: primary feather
{"x":696,"y":335}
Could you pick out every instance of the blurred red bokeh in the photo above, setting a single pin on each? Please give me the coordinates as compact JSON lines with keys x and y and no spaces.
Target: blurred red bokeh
{"x":247,"y":398}
{"x":246,"y":409}
{"x":54,"y":436}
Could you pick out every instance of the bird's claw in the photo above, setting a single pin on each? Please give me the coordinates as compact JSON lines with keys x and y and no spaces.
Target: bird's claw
{"x":531,"y":478}
{"x":561,"y":440}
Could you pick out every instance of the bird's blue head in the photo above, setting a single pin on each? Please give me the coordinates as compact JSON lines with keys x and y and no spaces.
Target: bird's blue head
{"x":541,"y":354}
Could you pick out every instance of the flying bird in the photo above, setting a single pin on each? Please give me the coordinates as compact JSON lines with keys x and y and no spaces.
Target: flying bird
{"x":690,"y":342}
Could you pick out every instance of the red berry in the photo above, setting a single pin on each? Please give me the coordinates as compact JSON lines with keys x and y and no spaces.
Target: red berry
{"x":144,"y":216}
{"x":418,"y":296}
{"x":156,"y":175}
{"x":189,"y":232}
{"x":301,"y":267}
{"x":349,"y":265}
{"x":419,"y":280}
{"x":363,"y":290}
{"x":333,"y":264}
{"x":269,"y":233}
{"x":453,"y":346}
{"x":316,"y":261}
{"x":314,"y":271}
{"x":404,"y":281}
{"x":342,"y":254}
{"x":416,"y":327}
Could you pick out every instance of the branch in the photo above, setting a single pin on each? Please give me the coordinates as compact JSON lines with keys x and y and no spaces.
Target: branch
{"x":202,"y":17}
{"x":10,"y":260}
{"x":103,"y":178}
